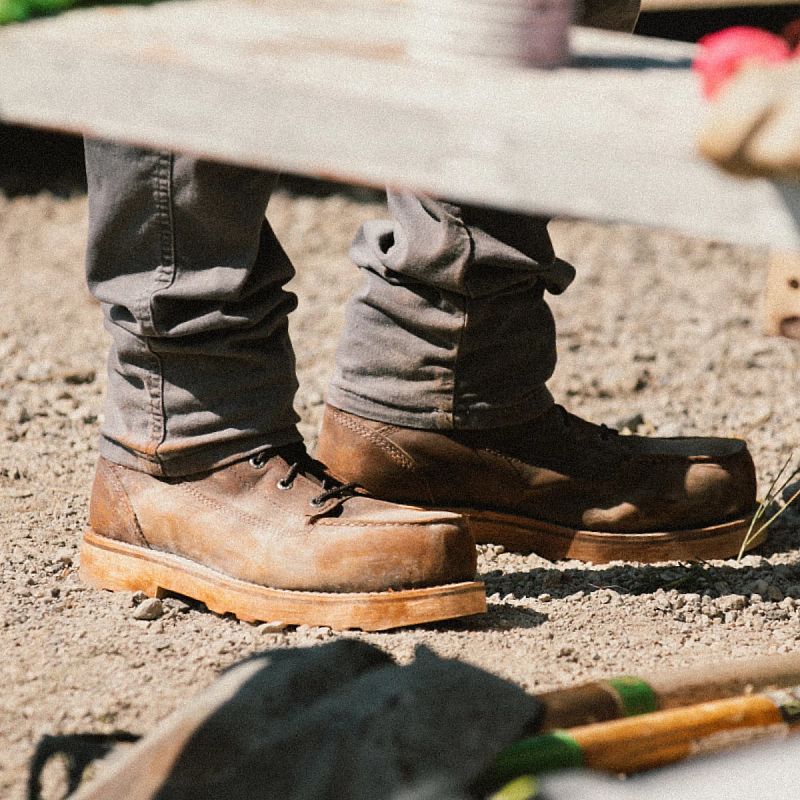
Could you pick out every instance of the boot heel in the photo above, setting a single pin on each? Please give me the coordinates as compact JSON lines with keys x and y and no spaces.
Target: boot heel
{"x":117,"y":571}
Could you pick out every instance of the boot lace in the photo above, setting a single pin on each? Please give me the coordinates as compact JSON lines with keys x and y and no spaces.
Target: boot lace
{"x":300,"y":463}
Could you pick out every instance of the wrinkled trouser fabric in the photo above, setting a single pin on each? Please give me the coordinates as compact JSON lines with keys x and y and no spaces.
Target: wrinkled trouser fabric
{"x":449,"y":329}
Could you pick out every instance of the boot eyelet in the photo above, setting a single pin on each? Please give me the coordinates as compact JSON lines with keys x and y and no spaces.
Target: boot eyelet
{"x":315,"y":503}
{"x":256,"y":462}
{"x":283,"y":486}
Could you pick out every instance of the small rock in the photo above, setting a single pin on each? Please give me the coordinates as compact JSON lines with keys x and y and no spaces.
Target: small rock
{"x":774,"y":594}
{"x":545,"y":597}
{"x":579,"y":595}
{"x":564,"y":652}
{"x":630,"y":424}
{"x":722,"y":588}
{"x":138,"y":598}
{"x":37,"y":372}
{"x":731,"y":602}
{"x":663,"y":604}
{"x":276,"y":626}
{"x":759,"y":587}
{"x":692,"y":599}
{"x":755,"y":599}
{"x":80,"y":376}
{"x":176,"y":604}
{"x":16,"y":413}
{"x":149,"y":609}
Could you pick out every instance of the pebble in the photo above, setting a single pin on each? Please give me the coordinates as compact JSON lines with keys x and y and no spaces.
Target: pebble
{"x":630,"y":423}
{"x":731,"y":602}
{"x":16,"y":413}
{"x":759,"y":587}
{"x":774,"y":594}
{"x":176,"y":604}
{"x":545,"y":597}
{"x":79,"y":376}
{"x":149,"y":609}
{"x":275,"y":626}
{"x":37,"y":372}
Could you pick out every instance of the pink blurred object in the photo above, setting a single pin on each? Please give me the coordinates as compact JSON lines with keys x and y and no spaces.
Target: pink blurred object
{"x":724,"y":52}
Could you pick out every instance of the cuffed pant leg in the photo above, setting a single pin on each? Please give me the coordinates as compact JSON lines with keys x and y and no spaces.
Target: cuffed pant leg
{"x":449,"y":328}
{"x":190,"y":278}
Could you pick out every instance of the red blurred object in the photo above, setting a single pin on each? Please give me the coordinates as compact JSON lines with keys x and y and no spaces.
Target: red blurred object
{"x":723,"y":53}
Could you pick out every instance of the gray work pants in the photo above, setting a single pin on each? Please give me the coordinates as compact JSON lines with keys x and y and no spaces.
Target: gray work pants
{"x":450,"y":328}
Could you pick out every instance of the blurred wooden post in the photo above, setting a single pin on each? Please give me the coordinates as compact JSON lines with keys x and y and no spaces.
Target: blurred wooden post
{"x":782,"y":296}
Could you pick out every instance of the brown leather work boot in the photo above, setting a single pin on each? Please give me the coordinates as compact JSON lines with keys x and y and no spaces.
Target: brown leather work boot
{"x":559,"y":486}
{"x":276,"y":538}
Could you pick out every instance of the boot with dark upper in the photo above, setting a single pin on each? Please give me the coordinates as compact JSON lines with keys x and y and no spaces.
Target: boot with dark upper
{"x":276,"y":538}
{"x":559,"y":486}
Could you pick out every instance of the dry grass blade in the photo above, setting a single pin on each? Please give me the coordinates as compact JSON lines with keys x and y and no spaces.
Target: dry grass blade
{"x":776,"y":489}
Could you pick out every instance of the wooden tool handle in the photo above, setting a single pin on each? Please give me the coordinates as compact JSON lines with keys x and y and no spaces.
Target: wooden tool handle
{"x":652,"y":740}
{"x":625,"y":696}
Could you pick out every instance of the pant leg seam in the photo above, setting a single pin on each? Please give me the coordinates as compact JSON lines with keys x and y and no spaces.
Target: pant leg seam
{"x":164,"y":276}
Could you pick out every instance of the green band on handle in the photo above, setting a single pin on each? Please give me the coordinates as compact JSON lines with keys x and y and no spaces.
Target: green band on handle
{"x":522,"y":788}
{"x":636,"y":696}
{"x":550,"y":751}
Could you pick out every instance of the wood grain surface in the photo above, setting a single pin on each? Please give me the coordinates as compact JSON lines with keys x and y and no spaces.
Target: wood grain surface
{"x":325,"y":88}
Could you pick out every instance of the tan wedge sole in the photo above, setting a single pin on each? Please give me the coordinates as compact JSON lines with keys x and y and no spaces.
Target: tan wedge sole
{"x":555,"y":542}
{"x":108,"y":564}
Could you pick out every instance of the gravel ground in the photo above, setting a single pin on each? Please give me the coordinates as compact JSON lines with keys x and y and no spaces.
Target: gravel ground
{"x":659,"y":332}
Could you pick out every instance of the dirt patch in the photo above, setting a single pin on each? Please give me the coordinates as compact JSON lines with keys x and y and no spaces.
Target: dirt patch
{"x":658,"y":330}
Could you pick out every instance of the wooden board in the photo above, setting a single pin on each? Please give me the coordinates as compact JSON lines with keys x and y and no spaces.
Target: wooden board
{"x":325,"y":88}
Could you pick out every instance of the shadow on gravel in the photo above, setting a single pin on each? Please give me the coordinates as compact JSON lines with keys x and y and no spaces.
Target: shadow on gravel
{"x":76,"y":751}
{"x":704,"y":578}
{"x":498,"y":617}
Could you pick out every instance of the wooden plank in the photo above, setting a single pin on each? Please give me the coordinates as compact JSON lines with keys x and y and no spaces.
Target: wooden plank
{"x":324,"y":88}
